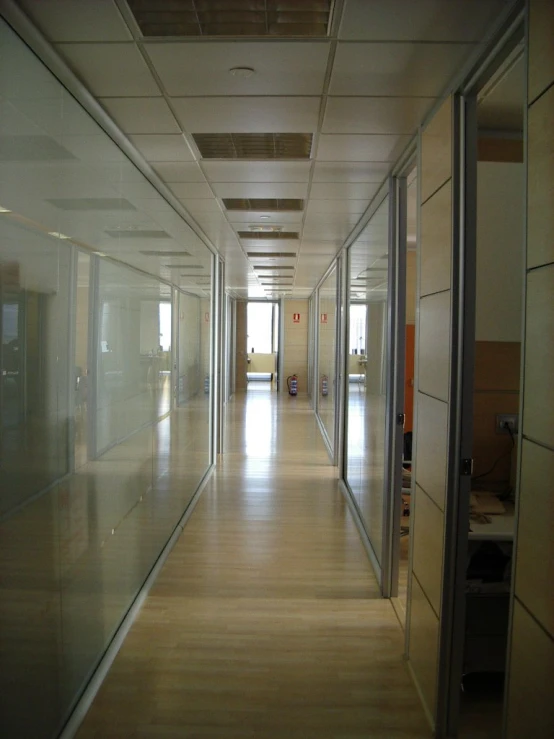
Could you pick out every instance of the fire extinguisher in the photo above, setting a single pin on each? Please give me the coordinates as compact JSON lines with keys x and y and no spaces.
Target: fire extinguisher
{"x":292,"y":382}
{"x":324,"y":385}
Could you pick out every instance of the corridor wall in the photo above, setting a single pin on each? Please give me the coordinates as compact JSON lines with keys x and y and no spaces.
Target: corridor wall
{"x":530,"y":710}
{"x":432,"y":401}
{"x":97,"y":465}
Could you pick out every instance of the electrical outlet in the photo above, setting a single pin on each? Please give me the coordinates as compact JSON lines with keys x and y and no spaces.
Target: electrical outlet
{"x":505,"y":421}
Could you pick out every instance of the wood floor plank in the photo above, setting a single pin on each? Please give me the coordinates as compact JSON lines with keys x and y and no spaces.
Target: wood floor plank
{"x":266,"y":619}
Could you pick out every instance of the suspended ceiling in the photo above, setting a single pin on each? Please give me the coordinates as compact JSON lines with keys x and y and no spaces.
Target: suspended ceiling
{"x":347,"y":85}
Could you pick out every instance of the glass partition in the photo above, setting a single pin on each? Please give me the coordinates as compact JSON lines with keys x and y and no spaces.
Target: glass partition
{"x":366,"y":394}
{"x":99,"y":457}
{"x":327,"y":334}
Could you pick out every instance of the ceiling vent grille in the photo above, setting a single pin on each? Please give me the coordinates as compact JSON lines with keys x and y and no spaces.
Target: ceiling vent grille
{"x":265,"y":204}
{"x":271,"y":254}
{"x":255,"y":146}
{"x":264,"y":236}
{"x":266,"y":267}
{"x":304,"y":18}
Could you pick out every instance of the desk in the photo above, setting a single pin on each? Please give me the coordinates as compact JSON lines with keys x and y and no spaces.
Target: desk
{"x":501,"y":527}
{"x":487,"y":609}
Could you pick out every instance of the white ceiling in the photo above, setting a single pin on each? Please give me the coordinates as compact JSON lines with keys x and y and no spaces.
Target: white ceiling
{"x":362,"y":91}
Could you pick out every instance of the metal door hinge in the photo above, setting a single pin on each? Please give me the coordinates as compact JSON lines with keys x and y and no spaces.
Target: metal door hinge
{"x":400,"y":419}
{"x":467,"y":467}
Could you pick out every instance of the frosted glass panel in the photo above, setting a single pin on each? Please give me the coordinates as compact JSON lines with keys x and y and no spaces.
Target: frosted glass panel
{"x":366,"y":397}
{"x":104,"y":391}
{"x":327,"y":328}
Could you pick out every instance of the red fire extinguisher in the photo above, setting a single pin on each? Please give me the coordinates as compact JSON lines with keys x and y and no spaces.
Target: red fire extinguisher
{"x":324,"y":385}
{"x":292,"y":382}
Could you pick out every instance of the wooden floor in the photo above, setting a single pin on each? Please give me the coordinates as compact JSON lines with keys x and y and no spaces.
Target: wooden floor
{"x":266,"y":619}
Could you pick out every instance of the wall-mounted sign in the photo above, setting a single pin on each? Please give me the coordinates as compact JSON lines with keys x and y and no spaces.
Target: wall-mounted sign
{"x":296,"y":317}
{"x":324,"y":318}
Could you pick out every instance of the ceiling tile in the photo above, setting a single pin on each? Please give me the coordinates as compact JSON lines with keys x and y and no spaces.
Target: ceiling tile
{"x":354,"y":207}
{"x":179,"y":171}
{"x":375,"y":114}
{"x":248,"y":114}
{"x":374,"y":172}
{"x":202,"y":206}
{"x":424,"y":20}
{"x":320,"y":246}
{"x":67,"y":20}
{"x":343,"y":190}
{"x":260,"y":189}
{"x":141,"y":115}
{"x":242,"y":217}
{"x":361,"y":148}
{"x":111,"y":70}
{"x":191,"y":190}
{"x":270,"y":171}
{"x":162,"y":148}
{"x":198,"y":68}
{"x":392,"y":69}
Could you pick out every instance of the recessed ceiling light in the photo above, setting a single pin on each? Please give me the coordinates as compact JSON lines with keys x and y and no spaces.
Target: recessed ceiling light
{"x":242,"y":72}
{"x":58,"y":235}
{"x":4,"y":210}
{"x":264,"y":218}
{"x":265,"y":228}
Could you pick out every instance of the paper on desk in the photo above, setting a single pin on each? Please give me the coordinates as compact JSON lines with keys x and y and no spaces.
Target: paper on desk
{"x":486,"y":503}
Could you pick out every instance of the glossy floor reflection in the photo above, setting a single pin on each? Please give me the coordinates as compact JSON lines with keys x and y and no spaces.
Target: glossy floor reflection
{"x":266,"y":619}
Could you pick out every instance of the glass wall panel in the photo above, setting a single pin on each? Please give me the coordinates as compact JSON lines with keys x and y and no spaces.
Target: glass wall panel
{"x":327,"y":334}
{"x":97,"y":460}
{"x":367,"y":346}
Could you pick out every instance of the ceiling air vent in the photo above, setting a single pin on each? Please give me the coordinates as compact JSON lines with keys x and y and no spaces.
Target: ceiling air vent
{"x":254,"y":145}
{"x":304,"y":18}
{"x":265,"y":204}
{"x":264,"y":268}
{"x":271,"y":254}
{"x":265,"y":235}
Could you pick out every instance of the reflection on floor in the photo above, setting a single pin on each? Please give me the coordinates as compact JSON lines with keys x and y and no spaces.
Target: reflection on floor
{"x":266,"y":620}
{"x":74,"y":558}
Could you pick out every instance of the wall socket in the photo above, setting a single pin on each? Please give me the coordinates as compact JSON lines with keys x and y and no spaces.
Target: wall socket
{"x":505,"y":421}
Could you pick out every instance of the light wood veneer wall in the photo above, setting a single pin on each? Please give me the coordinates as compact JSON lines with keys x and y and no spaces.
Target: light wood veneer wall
{"x":530,"y":709}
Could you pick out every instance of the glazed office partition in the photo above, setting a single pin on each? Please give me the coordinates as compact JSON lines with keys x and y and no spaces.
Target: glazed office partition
{"x":366,"y":395}
{"x":327,"y":328}
{"x":98,"y":462}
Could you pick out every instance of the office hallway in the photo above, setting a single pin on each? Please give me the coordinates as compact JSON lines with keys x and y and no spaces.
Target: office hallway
{"x":266,"y":619}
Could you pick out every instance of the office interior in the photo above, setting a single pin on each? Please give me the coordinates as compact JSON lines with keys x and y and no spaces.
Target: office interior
{"x":399,"y":251}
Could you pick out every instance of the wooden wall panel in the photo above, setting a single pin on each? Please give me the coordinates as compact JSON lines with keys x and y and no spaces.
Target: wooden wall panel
{"x":535,"y":554}
{"x":428,"y":547}
{"x":538,"y":416}
{"x":492,"y":451}
{"x":434,"y":345}
{"x":541,"y":48}
{"x":436,"y":242}
{"x":436,"y":151}
{"x":431,"y":435}
{"x":530,"y":704}
{"x":433,"y":317}
{"x":540,"y":222}
{"x":497,"y":366}
{"x":295,"y":358}
{"x":424,"y":637}
{"x":241,"y":365}
{"x":530,"y":709}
